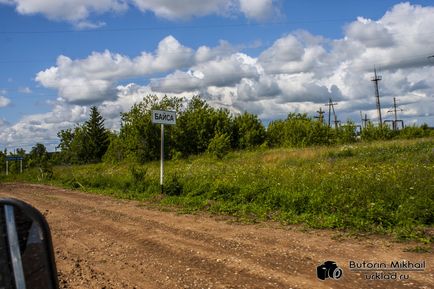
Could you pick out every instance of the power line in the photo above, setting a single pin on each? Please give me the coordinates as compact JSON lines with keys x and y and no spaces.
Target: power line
{"x":176,"y":27}
{"x":182,"y":27}
{"x":6,"y":61}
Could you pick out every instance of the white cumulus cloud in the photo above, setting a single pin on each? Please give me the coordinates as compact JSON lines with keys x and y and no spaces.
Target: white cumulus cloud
{"x":292,"y":54}
{"x":94,"y":78}
{"x":79,"y":12}
{"x":43,"y":127}
{"x":296,"y":73}
{"x":224,"y":72}
{"x":4,"y":101}
{"x":74,"y":11}
{"x":171,"y":9}
{"x":258,"y":9}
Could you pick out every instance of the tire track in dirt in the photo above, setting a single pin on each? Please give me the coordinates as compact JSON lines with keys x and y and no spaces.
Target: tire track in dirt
{"x":101,"y":242}
{"x":169,"y":237}
{"x":166,"y":248}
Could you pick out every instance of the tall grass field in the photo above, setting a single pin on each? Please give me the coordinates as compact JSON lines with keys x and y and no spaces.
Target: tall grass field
{"x":379,"y":187}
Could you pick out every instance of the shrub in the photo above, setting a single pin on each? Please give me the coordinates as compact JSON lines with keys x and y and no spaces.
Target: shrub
{"x":219,"y":145}
{"x":116,"y":151}
{"x":414,"y":132}
{"x":372,"y":132}
{"x":138,"y":175}
{"x":251,"y":133}
{"x":347,"y":133}
{"x":173,"y":186}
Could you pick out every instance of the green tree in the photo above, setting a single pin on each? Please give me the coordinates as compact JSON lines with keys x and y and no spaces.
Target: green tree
{"x":220,"y":145}
{"x":2,"y":160}
{"x":39,"y":158}
{"x":376,"y":132}
{"x":194,"y":128}
{"x":116,"y":152}
{"x":198,"y":124}
{"x":74,"y":145}
{"x":66,"y":138}
{"x":96,"y":139}
{"x":85,"y":143}
{"x":414,"y":131}
{"x":250,"y":131}
{"x":79,"y":145}
{"x":298,"y":130}
{"x":320,"y":134}
{"x":38,"y":155}
{"x":225,"y":124}
{"x":20,"y":152}
{"x":140,"y":137}
{"x":276,"y":133}
{"x":347,"y":133}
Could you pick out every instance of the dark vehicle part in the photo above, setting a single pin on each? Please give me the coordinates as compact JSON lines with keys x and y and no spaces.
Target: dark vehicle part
{"x":26,"y":250}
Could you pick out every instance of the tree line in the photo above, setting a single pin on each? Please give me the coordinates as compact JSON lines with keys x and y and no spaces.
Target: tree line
{"x":200,"y":128}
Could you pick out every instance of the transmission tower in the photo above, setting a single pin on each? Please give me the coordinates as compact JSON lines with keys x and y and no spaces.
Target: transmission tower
{"x":376,"y":79}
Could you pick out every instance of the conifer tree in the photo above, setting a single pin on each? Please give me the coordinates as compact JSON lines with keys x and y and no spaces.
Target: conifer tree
{"x":97,"y":137}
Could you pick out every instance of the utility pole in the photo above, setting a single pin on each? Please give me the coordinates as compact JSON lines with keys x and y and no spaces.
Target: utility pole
{"x":320,"y":116}
{"x":376,"y":79}
{"x":395,"y":113}
{"x":364,"y":120}
{"x":331,"y":106}
{"x":336,"y":121}
{"x":394,"y":110}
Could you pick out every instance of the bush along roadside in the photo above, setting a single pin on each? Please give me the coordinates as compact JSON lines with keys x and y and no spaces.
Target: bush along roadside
{"x":380,"y":187}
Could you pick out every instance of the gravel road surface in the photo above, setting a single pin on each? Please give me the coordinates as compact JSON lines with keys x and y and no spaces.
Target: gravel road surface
{"x":101,"y":242}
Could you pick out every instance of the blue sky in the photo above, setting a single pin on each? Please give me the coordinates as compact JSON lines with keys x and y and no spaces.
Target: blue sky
{"x":58,"y":57}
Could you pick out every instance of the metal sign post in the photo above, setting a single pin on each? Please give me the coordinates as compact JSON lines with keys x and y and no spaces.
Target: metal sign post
{"x":14,"y":158}
{"x":163,"y":117}
{"x":162,"y":158}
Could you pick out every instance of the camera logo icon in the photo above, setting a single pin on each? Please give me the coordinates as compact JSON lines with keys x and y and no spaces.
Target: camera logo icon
{"x":329,"y":270}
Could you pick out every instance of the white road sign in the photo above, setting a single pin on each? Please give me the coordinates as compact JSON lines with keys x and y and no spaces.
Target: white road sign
{"x":164,"y":117}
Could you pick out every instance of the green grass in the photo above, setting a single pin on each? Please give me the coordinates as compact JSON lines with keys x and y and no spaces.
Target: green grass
{"x":418,"y":249}
{"x":381,"y":187}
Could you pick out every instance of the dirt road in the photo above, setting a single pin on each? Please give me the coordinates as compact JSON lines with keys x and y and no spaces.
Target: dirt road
{"x":102,"y":242}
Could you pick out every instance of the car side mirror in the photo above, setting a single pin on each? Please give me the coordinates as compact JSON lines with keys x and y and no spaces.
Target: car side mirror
{"x":26,"y":250}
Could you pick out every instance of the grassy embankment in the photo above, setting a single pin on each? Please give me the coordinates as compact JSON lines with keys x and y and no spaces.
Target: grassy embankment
{"x":380,"y":187}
